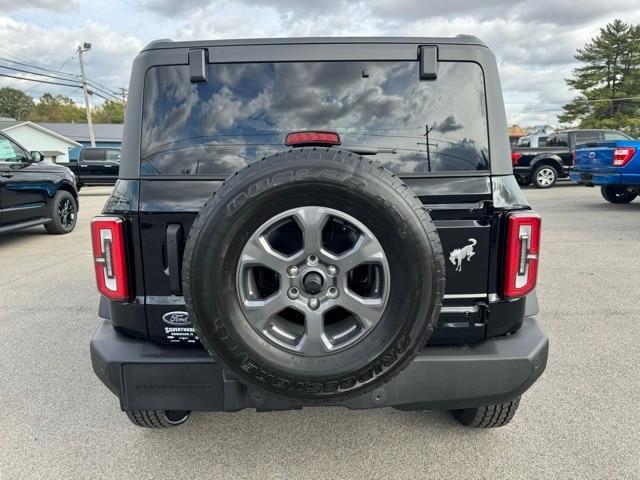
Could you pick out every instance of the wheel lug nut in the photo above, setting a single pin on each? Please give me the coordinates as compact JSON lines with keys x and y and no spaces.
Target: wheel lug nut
{"x":293,"y":293}
{"x":332,"y":270}
{"x":333,"y":292}
{"x":292,"y":271}
{"x":313,"y":303}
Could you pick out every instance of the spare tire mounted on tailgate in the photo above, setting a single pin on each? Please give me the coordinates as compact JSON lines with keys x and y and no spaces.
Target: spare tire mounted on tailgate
{"x":314,"y":274}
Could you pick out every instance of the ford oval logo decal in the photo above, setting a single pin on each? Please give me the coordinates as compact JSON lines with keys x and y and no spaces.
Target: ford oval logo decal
{"x":176,"y":318}
{"x":592,"y":155}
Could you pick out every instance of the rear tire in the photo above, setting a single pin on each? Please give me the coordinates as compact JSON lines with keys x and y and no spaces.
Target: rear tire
{"x":487,"y":416}
{"x":544,"y":176}
{"x":523,"y":180}
{"x":158,"y":418}
{"x":618,"y":194}
{"x":63,"y":212}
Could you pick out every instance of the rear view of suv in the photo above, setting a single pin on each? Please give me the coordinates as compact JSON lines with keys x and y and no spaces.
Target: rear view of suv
{"x":305,"y":222}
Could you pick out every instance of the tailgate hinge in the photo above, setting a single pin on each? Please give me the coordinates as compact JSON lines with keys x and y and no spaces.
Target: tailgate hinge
{"x":428,"y":57}
{"x":198,"y":59}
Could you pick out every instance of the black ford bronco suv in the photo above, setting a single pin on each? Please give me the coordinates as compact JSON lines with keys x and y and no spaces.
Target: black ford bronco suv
{"x":326,"y":221}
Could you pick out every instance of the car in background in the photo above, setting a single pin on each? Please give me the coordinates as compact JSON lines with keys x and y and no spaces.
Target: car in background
{"x":614,"y":166}
{"x":34,"y":193}
{"x":543,"y":166}
{"x":95,"y":166}
{"x":533,"y":141}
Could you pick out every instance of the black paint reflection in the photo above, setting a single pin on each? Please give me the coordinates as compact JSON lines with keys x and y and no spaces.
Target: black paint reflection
{"x":244,"y":112}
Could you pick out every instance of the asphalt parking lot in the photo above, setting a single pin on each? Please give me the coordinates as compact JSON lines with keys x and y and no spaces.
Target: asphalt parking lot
{"x":581,"y":420}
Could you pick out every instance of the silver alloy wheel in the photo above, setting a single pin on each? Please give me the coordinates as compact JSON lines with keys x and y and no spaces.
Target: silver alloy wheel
{"x":313,"y":280}
{"x":546,"y":176}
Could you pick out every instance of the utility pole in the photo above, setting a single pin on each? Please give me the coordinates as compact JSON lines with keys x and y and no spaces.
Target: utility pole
{"x":123,"y":92}
{"x":85,"y":47}
{"x":427,"y":131}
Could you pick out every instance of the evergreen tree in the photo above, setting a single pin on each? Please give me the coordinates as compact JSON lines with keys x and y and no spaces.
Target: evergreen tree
{"x":610,"y":74}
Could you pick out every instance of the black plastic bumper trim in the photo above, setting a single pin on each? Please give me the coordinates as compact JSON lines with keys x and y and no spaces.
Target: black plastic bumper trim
{"x":148,"y":376}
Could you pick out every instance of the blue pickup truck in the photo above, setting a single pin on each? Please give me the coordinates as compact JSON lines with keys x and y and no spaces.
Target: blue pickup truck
{"x":614,"y":166}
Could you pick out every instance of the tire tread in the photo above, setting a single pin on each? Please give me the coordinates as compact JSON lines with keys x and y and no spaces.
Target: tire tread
{"x":487,"y":416}
{"x":360,"y":163}
{"x":151,"y":419}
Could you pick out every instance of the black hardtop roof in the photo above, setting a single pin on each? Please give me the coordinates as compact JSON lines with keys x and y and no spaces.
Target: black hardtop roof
{"x":457,"y":40}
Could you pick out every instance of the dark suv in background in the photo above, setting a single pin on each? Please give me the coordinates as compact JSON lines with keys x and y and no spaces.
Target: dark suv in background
{"x":326,"y":221}
{"x":33,"y":192}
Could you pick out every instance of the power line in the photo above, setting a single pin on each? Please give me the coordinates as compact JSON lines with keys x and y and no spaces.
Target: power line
{"x":59,"y":71}
{"x":111,"y":91}
{"x":75,"y":85}
{"x":35,"y":73}
{"x":114,"y":97}
{"x":117,"y":100}
{"x":96,"y":85}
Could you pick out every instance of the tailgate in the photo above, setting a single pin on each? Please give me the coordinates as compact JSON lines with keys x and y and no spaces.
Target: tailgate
{"x":456,"y":207}
{"x":595,"y":159}
{"x":599,"y":157}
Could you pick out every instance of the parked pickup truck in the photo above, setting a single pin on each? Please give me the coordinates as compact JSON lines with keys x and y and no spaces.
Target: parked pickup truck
{"x":543,"y":166}
{"x":615,"y":166}
{"x":96,"y":166}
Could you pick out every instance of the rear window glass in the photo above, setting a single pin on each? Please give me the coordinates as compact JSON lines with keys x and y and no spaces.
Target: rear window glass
{"x":584,"y":137}
{"x":610,"y":136}
{"x":244,"y":112}
{"x":524,"y":142}
{"x":558,"y":141}
{"x":100,"y":155}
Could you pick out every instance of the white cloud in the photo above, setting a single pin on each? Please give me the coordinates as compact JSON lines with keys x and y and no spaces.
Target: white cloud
{"x":108,"y":62}
{"x":534,"y":42}
{"x":11,"y":5}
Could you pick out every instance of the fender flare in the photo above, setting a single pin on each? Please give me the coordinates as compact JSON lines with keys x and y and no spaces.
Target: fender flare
{"x":553,"y":160}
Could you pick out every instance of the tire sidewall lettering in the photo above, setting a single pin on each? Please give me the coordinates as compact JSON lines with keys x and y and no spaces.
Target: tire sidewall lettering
{"x":281,"y":178}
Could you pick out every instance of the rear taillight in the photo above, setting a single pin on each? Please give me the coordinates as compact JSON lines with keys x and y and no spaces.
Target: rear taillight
{"x":515,"y":156}
{"x":621,"y":156}
{"x":523,"y":248}
{"x":109,"y":257}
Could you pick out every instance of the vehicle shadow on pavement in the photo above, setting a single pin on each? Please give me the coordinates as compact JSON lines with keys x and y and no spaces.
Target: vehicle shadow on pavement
{"x":612,"y":207}
{"x":7,"y":239}
{"x":94,"y":194}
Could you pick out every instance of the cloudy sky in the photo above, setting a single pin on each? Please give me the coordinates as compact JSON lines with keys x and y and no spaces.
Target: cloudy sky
{"x":534,"y":41}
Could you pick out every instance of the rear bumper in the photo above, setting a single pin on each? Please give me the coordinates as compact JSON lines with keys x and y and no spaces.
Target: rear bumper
{"x":148,"y":376}
{"x":605,"y":178}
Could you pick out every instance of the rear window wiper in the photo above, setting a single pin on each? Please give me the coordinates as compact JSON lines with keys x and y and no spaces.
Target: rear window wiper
{"x":369,"y":150}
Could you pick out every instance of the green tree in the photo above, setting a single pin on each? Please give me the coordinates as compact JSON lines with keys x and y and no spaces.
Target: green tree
{"x":608,"y":76}
{"x":57,"y":108}
{"x":109,"y":112}
{"x":15,"y":103}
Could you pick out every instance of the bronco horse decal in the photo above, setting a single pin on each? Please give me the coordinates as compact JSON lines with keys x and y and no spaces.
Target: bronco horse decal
{"x":459,"y":254}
